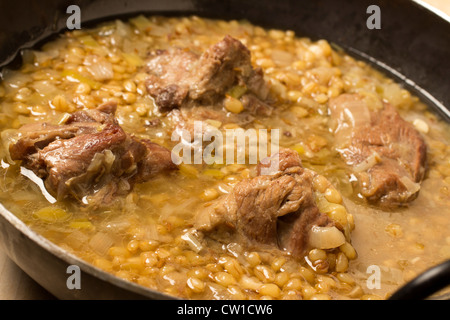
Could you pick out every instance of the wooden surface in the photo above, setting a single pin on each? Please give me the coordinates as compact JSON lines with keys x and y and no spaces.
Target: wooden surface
{"x":16,"y":285}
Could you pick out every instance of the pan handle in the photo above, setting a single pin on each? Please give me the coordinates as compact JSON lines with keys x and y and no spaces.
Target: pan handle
{"x":425,"y":284}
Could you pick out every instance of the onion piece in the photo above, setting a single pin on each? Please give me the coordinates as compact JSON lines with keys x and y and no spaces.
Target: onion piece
{"x":368,"y":163}
{"x":326,"y":237}
{"x":44,"y":56}
{"x":421,"y":125}
{"x":74,"y":76}
{"x":51,"y":214}
{"x":44,"y":88}
{"x":133,"y":59}
{"x":281,"y":57}
{"x":8,"y":137}
{"x":101,"y":242}
{"x":123,"y":30}
{"x":192,"y":240}
{"x":15,"y":79}
{"x":100,"y":69}
{"x":410,"y":185}
{"x":141,"y":23}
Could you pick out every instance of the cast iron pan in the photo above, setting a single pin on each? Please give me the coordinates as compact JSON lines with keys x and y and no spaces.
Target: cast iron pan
{"x":412,"y":46}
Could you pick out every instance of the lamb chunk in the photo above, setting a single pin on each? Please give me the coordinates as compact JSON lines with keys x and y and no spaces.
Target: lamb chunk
{"x":102,"y":114}
{"x":115,"y":171}
{"x":90,"y":156}
{"x":277,"y":210}
{"x":180,"y":78}
{"x":64,"y":159}
{"x":169,"y":76}
{"x":36,"y":136}
{"x":386,"y":153}
{"x":156,"y":159}
{"x":223,"y":65}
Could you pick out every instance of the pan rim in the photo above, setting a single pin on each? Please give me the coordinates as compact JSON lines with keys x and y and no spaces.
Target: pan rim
{"x":72,"y":259}
{"x":90,"y":268}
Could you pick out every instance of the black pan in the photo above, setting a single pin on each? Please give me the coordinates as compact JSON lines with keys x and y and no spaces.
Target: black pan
{"x":412,"y":46}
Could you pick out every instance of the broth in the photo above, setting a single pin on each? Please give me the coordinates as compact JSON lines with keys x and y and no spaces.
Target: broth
{"x":143,"y":237}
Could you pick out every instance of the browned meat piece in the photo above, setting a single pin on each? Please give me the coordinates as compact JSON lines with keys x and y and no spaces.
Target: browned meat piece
{"x":385,"y":152}
{"x":181,"y":78}
{"x":169,"y":75}
{"x":102,"y":114}
{"x":93,"y":159}
{"x":277,"y":210}
{"x":36,"y":136}
{"x":156,"y":159}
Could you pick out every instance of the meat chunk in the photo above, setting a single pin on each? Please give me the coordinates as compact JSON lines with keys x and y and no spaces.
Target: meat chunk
{"x":385,"y":153}
{"x":277,"y":210}
{"x":180,"y":78}
{"x":90,"y":157}
{"x":36,"y":136}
